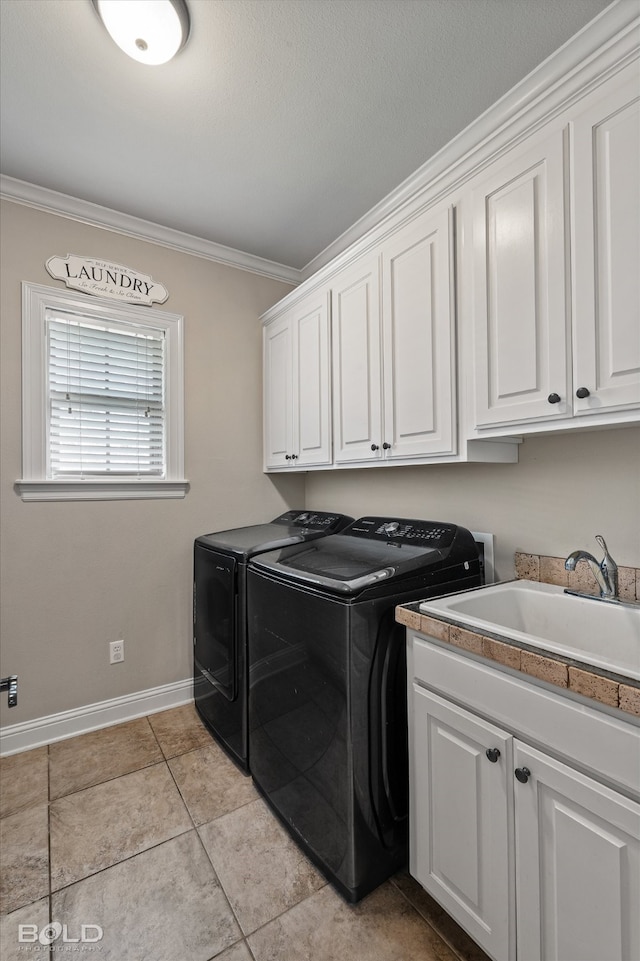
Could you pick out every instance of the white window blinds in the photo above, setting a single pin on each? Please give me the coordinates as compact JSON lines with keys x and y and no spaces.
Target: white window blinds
{"x":106,"y":388}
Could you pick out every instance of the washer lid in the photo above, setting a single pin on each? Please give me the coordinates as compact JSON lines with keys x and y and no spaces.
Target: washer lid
{"x":370,"y":551}
{"x":344,"y":565}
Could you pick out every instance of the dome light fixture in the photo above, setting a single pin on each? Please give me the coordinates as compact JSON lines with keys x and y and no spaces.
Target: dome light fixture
{"x":150,"y":31}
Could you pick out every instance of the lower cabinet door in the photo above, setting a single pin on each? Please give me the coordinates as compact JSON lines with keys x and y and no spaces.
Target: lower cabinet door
{"x":578,"y":864}
{"x":460,"y":778}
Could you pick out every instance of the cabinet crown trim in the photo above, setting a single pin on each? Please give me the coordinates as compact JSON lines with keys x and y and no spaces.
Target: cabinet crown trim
{"x":605,"y":46}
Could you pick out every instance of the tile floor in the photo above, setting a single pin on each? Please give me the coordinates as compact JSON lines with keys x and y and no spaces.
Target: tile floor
{"x":148,"y":832}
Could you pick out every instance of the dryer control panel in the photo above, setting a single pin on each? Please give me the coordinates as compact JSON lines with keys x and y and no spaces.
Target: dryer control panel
{"x":316,"y":520}
{"x":418,"y":533}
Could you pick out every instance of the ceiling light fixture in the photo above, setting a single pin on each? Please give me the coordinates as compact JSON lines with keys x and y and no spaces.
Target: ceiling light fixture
{"x":150,"y":31}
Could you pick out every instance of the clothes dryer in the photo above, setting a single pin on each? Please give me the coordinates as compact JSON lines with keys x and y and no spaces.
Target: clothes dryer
{"x":220,"y":621}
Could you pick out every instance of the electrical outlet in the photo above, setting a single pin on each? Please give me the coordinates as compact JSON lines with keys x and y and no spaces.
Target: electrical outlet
{"x":116,"y":652}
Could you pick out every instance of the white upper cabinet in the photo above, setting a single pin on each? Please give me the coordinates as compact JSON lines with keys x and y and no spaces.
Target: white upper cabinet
{"x":297,"y":386}
{"x":312,"y":382}
{"x":418,"y":339}
{"x":357,"y":381}
{"x":393,"y":348}
{"x":605,"y":201}
{"x":552,"y":283}
{"x":278,"y":392}
{"x":517,"y":294}
{"x":498,"y":293}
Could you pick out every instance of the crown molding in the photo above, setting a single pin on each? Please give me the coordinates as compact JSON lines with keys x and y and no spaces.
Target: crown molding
{"x":51,"y":201}
{"x":602,"y":47}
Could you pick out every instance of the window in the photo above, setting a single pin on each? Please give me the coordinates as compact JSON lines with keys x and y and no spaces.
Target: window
{"x":102,"y":399}
{"x":106,"y":412}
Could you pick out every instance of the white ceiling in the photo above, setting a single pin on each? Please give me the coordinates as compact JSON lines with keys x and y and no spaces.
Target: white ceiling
{"x":279,"y":125}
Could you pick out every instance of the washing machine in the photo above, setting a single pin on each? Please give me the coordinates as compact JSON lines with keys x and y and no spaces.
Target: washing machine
{"x":327,"y":686}
{"x":220,"y":621}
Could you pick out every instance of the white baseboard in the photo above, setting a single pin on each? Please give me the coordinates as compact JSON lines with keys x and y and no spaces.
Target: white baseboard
{"x":92,"y":717}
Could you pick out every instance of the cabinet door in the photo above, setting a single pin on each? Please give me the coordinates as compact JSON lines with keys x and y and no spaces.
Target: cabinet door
{"x":459,"y":810}
{"x":578,"y":865}
{"x":606,"y":246}
{"x":312,"y":383}
{"x":517,"y":290}
{"x":418,"y":348}
{"x":278,"y":407}
{"x":357,"y":398}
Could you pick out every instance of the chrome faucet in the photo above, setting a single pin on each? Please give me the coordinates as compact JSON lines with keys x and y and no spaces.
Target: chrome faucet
{"x":605,"y":573}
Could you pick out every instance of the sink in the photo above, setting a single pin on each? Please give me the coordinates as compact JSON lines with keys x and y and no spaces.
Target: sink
{"x":606,"y":635}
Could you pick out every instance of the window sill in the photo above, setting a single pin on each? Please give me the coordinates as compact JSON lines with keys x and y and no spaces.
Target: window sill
{"x":100,"y":490}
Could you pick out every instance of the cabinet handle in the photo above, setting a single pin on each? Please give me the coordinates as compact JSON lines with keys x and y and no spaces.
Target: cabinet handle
{"x":493,"y":754}
{"x":294,"y":457}
{"x":386,"y":446}
{"x":554,"y":398}
{"x":287,"y":456}
{"x":523,"y":774}
{"x":583,"y":392}
{"x":375,"y":447}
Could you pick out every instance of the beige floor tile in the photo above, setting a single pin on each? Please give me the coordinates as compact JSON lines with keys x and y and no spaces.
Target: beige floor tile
{"x":210,"y":783}
{"x":238,"y":952}
{"x":180,"y":730}
{"x":24,"y":780}
{"x":102,"y":825}
{"x":262,"y":871}
{"x":382,"y":927}
{"x":89,"y":759}
{"x":11,"y":947}
{"x":24,"y":854}
{"x":165,"y":904}
{"x":443,"y":923}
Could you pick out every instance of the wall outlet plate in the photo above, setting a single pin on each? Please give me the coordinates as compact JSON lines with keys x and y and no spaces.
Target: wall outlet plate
{"x":116,"y":652}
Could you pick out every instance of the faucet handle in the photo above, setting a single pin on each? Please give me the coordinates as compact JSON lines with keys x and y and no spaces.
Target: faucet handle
{"x":608,"y":559}
{"x":608,"y":566}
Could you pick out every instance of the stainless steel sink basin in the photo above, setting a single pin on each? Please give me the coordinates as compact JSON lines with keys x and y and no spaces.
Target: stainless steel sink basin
{"x":541,"y":615}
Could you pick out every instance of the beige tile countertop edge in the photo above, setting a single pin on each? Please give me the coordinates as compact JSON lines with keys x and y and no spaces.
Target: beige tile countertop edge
{"x":590,"y":682}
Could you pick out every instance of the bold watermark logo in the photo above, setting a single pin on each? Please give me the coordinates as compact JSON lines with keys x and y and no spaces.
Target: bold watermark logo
{"x":32,"y":934}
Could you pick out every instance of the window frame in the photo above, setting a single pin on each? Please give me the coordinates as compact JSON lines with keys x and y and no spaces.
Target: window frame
{"x":34,"y":484}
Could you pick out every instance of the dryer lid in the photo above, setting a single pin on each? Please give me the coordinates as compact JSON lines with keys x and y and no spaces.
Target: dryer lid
{"x":292,"y":527}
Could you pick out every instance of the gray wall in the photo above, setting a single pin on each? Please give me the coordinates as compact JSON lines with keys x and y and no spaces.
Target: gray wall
{"x":75,"y":576}
{"x":565,"y":488}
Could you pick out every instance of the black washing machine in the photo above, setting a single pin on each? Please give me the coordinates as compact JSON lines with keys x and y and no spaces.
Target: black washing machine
{"x":220,"y":621}
{"x":327,"y":686}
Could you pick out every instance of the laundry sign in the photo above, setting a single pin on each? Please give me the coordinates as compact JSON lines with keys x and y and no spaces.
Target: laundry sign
{"x":104,"y":279}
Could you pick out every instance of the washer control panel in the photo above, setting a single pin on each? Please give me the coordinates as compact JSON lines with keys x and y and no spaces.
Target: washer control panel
{"x":418,"y":533}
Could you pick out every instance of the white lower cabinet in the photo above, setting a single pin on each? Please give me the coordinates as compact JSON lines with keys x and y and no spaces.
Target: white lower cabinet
{"x":535,"y":859}
{"x":577,"y":864}
{"x":460,"y":818}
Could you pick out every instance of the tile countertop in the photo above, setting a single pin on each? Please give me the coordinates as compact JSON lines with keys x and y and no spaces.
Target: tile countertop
{"x":591,"y":682}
